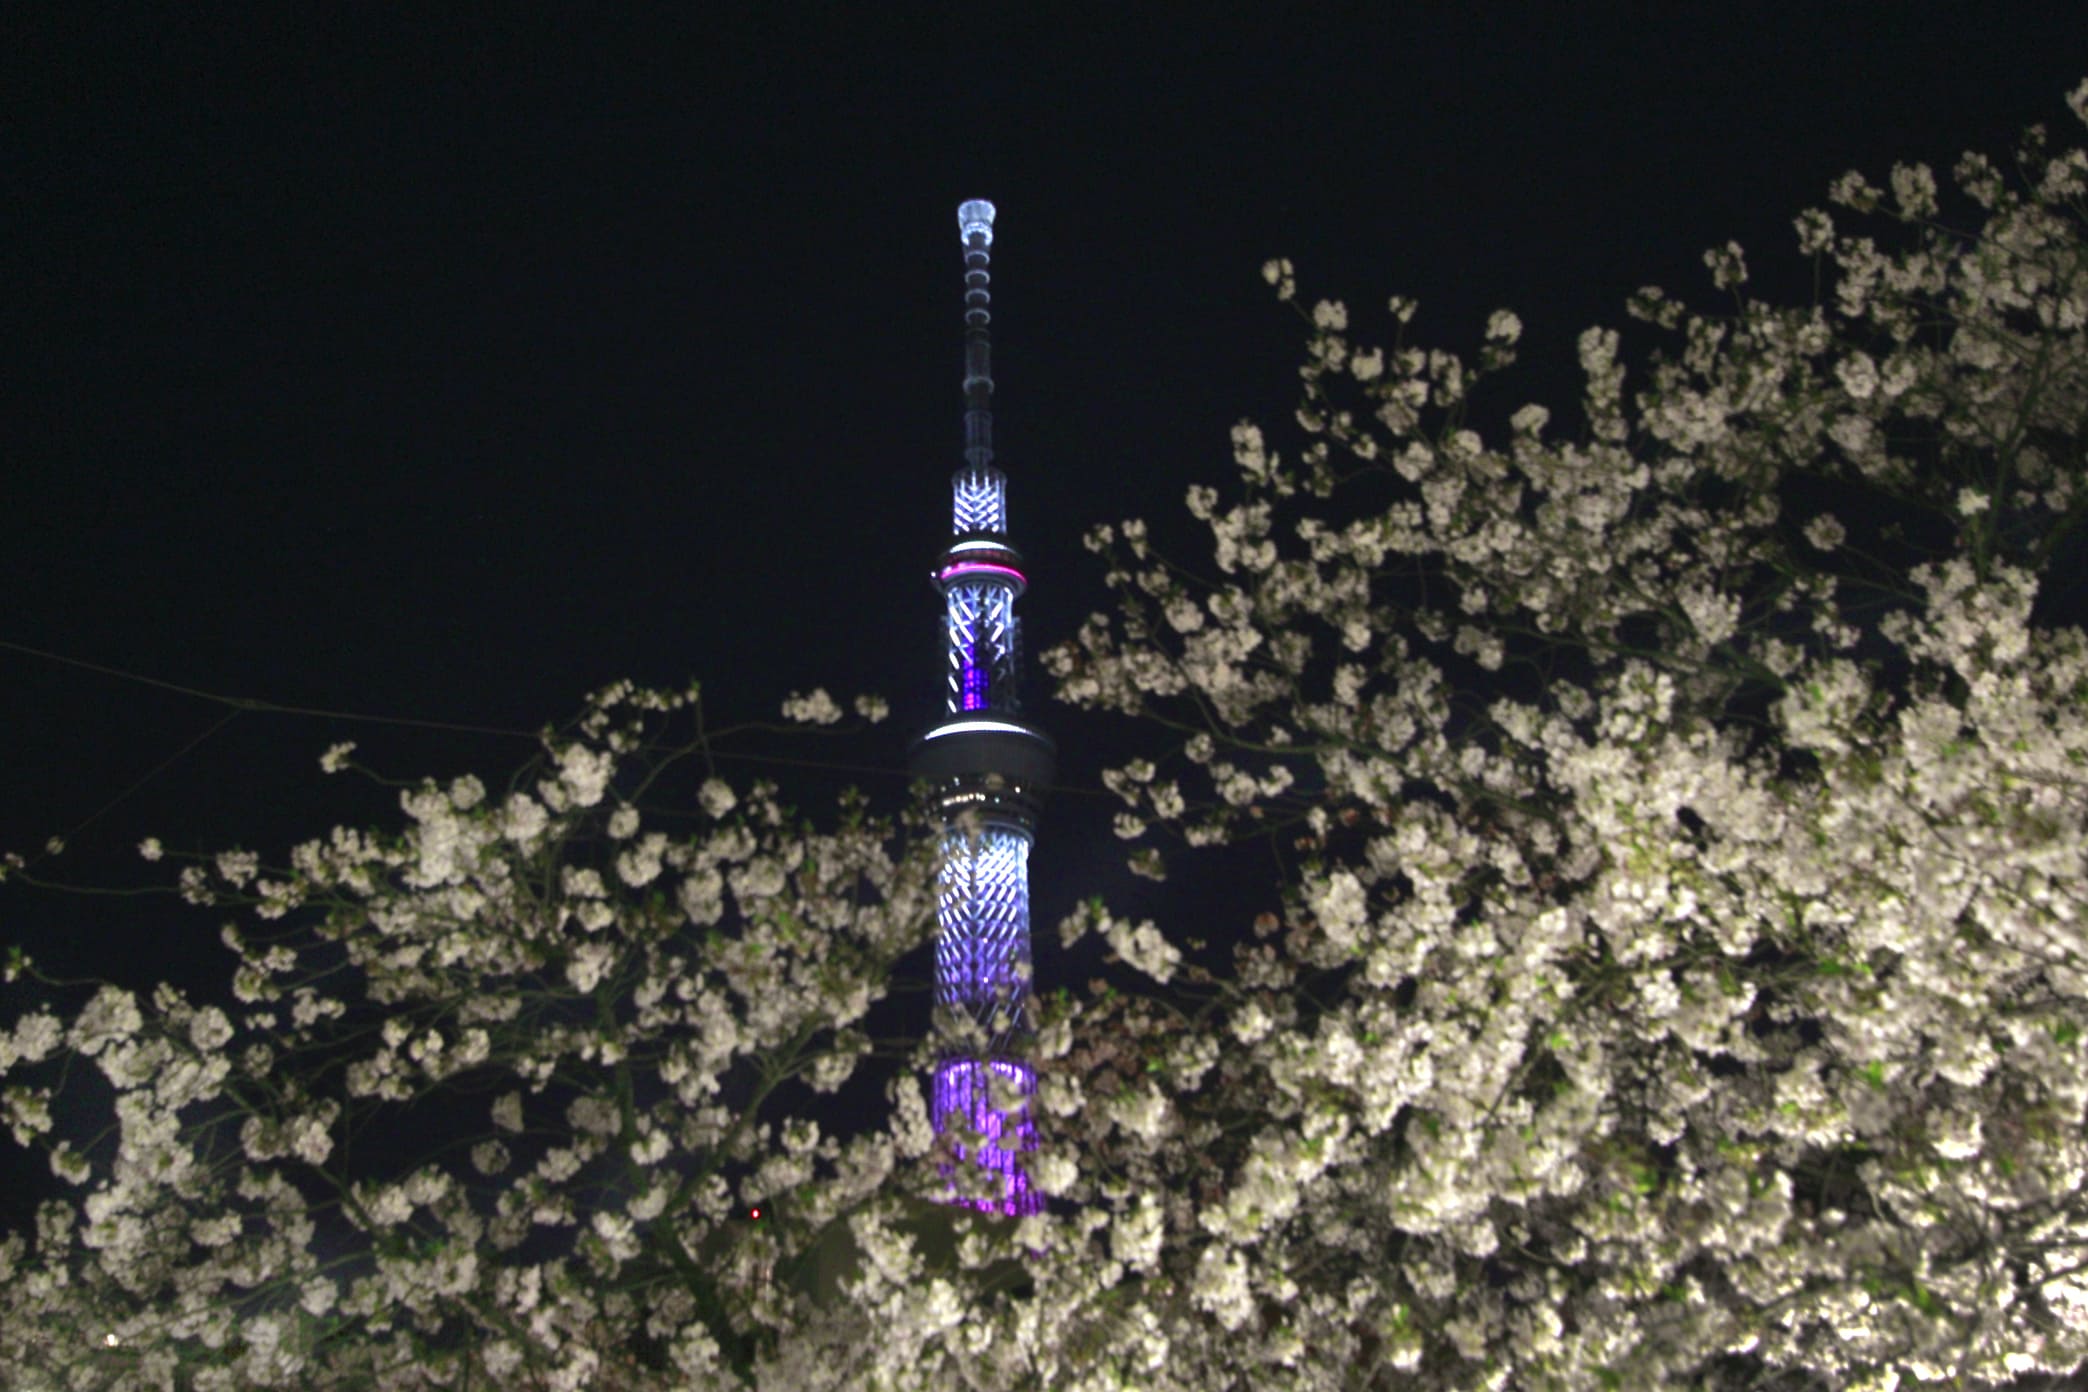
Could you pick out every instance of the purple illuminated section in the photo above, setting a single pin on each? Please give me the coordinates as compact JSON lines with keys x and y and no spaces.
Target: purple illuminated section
{"x":974,"y":694}
{"x":964,"y":568}
{"x":979,"y":627}
{"x":965,"y":1095}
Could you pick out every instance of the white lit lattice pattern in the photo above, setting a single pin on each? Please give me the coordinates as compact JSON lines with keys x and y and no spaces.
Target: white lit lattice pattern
{"x":982,"y":962}
{"x":980,"y":634}
{"x":979,"y":501}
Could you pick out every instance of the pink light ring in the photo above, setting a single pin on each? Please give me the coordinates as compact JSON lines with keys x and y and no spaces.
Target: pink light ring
{"x":950,"y":574}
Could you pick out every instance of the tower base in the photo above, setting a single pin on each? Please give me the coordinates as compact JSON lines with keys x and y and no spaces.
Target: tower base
{"x":991,"y":1099}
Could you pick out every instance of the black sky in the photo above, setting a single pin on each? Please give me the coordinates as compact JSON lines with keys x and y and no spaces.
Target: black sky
{"x":450,"y":368}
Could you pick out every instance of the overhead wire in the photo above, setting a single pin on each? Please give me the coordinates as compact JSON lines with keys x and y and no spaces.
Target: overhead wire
{"x":155,"y":771}
{"x":249,"y":703}
{"x":240,"y":705}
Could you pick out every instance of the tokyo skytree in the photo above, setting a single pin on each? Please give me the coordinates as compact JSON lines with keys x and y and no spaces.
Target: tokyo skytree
{"x":988,"y":768}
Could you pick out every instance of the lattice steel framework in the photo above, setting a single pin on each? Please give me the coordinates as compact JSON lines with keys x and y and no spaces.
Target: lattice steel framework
{"x":982,"y":956}
{"x":988,"y":767}
{"x":980,"y":643}
{"x":979,"y":501}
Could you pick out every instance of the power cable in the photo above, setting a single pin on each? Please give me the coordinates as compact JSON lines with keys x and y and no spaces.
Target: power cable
{"x":155,"y":771}
{"x":248,"y":704}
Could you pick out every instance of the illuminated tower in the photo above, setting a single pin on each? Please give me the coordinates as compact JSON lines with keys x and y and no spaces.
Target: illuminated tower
{"x":988,"y":767}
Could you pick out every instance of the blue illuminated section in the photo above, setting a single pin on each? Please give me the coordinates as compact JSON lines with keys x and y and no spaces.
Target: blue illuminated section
{"x":982,"y":957}
{"x":979,"y":501}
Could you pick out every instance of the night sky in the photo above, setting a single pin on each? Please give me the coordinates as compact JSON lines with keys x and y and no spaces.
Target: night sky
{"x":448,"y":370}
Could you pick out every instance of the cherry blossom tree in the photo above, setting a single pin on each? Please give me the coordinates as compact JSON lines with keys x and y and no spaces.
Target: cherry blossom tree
{"x":524,"y":1093}
{"x":1681,"y":978}
{"x":1678,"y":978}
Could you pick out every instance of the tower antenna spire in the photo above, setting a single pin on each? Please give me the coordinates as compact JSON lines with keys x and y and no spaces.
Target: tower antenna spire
{"x":975,"y":222}
{"x":988,"y":767}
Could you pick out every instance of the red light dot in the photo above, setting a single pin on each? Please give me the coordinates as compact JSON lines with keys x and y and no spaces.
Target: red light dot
{"x":753,"y":1213}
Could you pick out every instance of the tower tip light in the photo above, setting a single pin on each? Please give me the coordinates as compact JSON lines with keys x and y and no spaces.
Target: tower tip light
{"x":976,"y":215}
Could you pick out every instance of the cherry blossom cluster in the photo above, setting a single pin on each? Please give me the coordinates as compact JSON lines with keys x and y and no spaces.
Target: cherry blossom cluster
{"x":494,"y":1093}
{"x":1679,"y":979}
